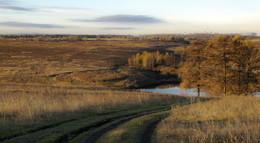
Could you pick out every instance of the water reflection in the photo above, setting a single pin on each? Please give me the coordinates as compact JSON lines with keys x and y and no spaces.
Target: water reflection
{"x":174,"y":90}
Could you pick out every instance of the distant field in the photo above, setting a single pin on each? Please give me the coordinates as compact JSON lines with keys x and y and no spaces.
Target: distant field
{"x":84,"y":62}
{"x":256,"y":42}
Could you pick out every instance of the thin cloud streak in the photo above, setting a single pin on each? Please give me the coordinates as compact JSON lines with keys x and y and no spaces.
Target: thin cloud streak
{"x":118,"y":28}
{"x":124,"y":19}
{"x":16,"y":8}
{"x":68,"y":11}
{"x":30,"y":25}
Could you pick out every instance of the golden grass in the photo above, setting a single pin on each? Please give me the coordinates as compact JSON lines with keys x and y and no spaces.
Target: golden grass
{"x":30,"y":103}
{"x":255,"y":40}
{"x":231,"y":119}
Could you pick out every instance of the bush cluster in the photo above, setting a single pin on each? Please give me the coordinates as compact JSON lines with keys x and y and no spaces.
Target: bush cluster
{"x":150,"y":60}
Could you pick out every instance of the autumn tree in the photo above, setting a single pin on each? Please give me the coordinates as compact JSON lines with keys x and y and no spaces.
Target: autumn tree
{"x":169,"y":59}
{"x":225,"y":65}
{"x":244,"y":63}
{"x":218,"y":68}
{"x":233,"y":65}
{"x":191,"y":72}
{"x":150,"y":60}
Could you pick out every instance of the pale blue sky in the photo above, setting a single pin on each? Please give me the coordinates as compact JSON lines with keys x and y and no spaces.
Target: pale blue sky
{"x":129,"y":16}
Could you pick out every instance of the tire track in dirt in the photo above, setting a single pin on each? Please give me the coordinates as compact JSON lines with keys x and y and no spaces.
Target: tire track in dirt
{"x":95,"y":136}
{"x":147,"y":135}
{"x":35,"y":130}
{"x":43,"y":132}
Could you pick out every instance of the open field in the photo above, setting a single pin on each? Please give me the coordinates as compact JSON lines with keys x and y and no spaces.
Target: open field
{"x":129,"y":71}
{"x":83,"y":62}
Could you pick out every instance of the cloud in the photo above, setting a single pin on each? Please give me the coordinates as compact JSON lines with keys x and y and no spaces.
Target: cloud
{"x":8,"y":5}
{"x":68,"y":11}
{"x":30,"y":25}
{"x":123,"y":19}
{"x":15,"y":8}
{"x":118,"y":28}
{"x":4,"y":2}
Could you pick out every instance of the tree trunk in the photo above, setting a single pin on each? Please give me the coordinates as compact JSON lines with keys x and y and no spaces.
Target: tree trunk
{"x":198,"y":90}
{"x":225,"y":72}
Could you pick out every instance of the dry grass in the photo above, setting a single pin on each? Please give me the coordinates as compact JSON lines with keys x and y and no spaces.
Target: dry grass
{"x":231,"y":119}
{"x":100,"y":76}
{"x":31,"y":102}
{"x":256,"y":42}
{"x":31,"y":62}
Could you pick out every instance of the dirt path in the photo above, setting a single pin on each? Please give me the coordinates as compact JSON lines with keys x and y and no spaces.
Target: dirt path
{"x":72,"y":128}
{"x":45,"y":127}
{"x":95,"y":136}
{"x":147,"y":136}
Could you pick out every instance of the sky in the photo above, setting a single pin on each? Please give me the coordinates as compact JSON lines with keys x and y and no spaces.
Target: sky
{"x":129,"y":16}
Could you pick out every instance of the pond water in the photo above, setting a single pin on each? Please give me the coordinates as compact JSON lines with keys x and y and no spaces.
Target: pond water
{"x":179,"y":91}
{"x":174,"y":90}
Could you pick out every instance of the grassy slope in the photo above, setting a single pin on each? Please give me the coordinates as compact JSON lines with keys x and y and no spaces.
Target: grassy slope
{"x":231,"y":119}
{"x":23,"y":108}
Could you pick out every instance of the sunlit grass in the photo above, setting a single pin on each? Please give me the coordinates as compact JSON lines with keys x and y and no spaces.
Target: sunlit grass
{"x":31,"y":103}
{"x":231,"y":119}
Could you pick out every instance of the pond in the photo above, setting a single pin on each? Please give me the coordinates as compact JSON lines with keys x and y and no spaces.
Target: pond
{"x":179,"y":91}
{"x":174,"y":90}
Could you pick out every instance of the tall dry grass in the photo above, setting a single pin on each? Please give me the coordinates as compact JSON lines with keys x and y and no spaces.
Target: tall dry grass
{"x":34,"y":102}
{"x":231,"y":119}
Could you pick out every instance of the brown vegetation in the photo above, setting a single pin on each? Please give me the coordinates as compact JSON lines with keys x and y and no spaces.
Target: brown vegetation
{"x":231,"y":119}
{"x":66,"y":62}
{"x":28,"y":102}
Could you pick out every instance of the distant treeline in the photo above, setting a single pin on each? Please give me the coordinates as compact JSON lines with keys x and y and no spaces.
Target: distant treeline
{"x":72,"y":38}
{"x":150,"y":60}
{"x":179,"y":38}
